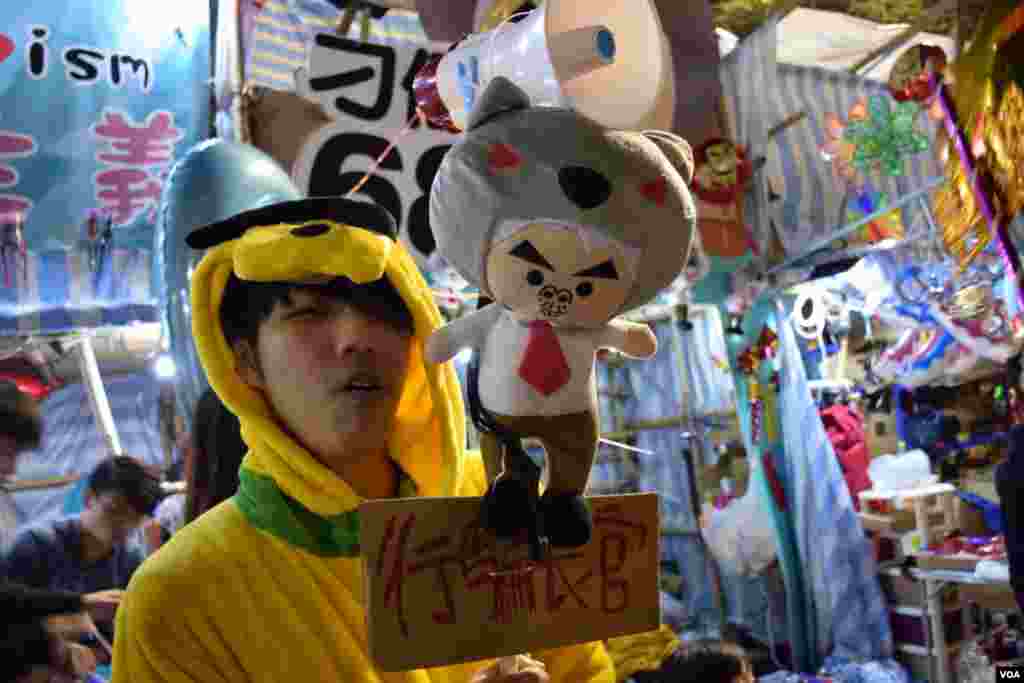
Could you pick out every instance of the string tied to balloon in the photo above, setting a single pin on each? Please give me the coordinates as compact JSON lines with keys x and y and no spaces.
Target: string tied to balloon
{"x":417,"y":118}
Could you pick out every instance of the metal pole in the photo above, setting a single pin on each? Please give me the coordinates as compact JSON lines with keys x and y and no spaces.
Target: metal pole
{"x":98,"y":395}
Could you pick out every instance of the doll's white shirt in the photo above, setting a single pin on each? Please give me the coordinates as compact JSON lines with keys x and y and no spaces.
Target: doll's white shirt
{"x":503,"y":391}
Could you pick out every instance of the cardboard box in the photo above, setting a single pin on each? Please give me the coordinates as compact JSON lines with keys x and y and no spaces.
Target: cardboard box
{"x":880,"y":434}
{"x":989,"y":596}
{"x":895,"y":522}
{"x":960,"y":562}
{"x":981,"y":482}
{"x":972,"y":521}
{"x":884,"y":548}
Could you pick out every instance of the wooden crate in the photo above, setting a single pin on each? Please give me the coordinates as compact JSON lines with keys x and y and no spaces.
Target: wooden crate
{"x":961,"y":562}
{"x":935,"y":508}
{"x":988,"y":596}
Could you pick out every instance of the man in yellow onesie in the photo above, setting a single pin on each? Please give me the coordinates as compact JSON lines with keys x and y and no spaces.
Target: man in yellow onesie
{"x":310,"y":320}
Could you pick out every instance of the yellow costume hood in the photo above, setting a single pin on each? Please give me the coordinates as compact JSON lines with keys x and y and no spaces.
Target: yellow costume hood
{"x":310,"y":240}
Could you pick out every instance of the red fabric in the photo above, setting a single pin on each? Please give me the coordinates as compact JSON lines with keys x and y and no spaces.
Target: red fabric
{"x":544,"y":366}
{"x":845,"y":428}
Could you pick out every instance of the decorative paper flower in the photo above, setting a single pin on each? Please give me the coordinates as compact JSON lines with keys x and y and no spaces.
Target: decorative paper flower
{"x":887,"y":226}
{"x":838,"y":151}
{"x":887,"y":137}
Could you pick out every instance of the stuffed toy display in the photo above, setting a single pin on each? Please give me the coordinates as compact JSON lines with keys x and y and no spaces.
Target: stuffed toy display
{"x":564,"y":224}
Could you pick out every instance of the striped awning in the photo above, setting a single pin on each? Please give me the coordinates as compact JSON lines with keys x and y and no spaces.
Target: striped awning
{"x":279,"y":30}
{"x":812,"y":205}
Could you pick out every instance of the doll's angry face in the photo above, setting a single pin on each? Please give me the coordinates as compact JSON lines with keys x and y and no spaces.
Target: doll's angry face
{"x":563,"y":273}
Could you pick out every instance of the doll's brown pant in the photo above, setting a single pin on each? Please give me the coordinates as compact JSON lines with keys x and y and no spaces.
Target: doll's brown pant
{"x":569,"y":442}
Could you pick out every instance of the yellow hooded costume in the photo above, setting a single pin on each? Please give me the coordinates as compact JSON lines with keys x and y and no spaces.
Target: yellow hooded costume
{"x":269,"y":586}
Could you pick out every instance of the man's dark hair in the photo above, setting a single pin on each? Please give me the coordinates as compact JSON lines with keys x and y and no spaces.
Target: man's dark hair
{"x":246,"y":304}
{"x":700,"y":661}
{"x":25,"y":645}
{"x":25,"y":642}
{"x":125,"y":476}
{"x":19,"y":416}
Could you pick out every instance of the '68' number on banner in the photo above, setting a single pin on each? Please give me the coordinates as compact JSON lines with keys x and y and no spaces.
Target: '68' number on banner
{"x":367,"y":90}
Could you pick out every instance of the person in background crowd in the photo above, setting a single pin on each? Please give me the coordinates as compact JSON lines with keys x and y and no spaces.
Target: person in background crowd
{"x":217,"y":452}
{"x":702,"y":661}
{"x":21,"y":429}
{"x":168,"y":517}
{"x":37,"y":625}
{"x":89,"y":552}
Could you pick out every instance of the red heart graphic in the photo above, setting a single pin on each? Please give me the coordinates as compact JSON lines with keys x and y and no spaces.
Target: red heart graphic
{"x":6,"y":47}
{"x":655,"y":190}
{"x":501,"y":157}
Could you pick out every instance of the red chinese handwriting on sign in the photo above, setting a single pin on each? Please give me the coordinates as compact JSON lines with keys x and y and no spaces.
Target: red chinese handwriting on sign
{"x":13,"y":207}
{"x":439,"y":576}
{"x":137,"y":156}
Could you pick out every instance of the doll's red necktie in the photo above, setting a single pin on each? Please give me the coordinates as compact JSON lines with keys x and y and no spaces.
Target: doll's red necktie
{"x":544,"y":366}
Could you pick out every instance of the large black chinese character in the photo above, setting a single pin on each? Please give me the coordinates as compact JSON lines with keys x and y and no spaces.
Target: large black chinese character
{"x":420,"y":233}
{"x":325,"y":177}
{"x":357,"y":75}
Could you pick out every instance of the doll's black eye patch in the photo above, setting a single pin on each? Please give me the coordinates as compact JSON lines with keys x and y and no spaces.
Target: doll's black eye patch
{"x":312,"y":230}
{"x":526,"y":251}
{"x":605,"y":269}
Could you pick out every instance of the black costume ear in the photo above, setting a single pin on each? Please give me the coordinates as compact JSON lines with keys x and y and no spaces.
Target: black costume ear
{"x":335,"y":209}
{"x":501,"y":95}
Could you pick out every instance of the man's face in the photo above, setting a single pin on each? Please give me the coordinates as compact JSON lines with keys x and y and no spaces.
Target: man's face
{"x":332,"y":373}
{"x":8,"y":457}
{"x":117,"y":518}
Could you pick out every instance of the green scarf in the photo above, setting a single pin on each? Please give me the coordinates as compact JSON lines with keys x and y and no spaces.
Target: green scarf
{"x":268,"y":508}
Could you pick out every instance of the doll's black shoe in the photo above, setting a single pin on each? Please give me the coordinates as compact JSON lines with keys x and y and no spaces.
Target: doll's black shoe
{"x":507,"y":508}
{"x":566,"y":520}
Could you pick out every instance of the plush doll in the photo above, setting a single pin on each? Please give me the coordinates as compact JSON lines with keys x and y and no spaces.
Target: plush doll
{"x":564,"y":225}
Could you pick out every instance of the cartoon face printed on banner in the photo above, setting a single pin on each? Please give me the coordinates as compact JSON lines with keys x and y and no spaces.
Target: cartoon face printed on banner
{"x":810,"y":313}
{"x":722,"y":171}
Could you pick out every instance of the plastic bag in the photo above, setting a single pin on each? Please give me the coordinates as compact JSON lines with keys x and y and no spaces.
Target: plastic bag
{"x":899,"y":471}
{"x":741,"y":535}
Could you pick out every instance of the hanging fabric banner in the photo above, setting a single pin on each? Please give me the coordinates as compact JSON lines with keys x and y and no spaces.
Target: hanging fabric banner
{"x":96,"y":107}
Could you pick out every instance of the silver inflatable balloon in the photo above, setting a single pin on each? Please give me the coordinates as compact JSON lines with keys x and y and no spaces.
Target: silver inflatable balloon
{"x":214,"y":180}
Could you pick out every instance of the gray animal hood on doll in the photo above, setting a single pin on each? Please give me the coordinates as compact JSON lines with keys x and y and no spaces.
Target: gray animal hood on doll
{"x":517,"y":163}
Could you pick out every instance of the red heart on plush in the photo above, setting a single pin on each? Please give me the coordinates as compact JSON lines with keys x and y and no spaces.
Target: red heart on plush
{"x":6,"y":47}
{"x":655,"y":190}
{"x":502,"y":157}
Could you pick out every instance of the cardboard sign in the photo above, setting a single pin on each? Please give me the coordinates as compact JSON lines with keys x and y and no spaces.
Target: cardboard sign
{"x":434,"y":599}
